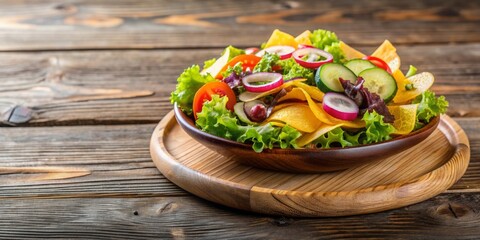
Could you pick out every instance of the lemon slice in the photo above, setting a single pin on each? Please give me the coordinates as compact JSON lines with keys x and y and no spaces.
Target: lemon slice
{"x":388,"y":53}
{"x":405,"y":118}
{"x":350,"y":53}
{"x":421,"y":82}
{"x":281,"y":38}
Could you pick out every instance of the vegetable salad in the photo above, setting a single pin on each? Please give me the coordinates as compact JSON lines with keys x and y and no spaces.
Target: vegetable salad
{"x":309,"y":91}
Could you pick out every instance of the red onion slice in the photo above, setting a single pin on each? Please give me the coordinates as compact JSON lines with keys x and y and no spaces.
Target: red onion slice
{"x":272,"y":80}
{"x":340,"y":106}
{"x":283,"y":51}
{"x":315,"y":53}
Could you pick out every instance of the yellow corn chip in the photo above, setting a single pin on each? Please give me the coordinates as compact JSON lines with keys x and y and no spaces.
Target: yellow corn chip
{"x":405,"y":118}
{"x":350,"y":53}
{"x":281,"y":38}
{"x":304,"y":38}
{"x":388,"y":53}
{"x":421,"y":82}
{"x":298,"y":116}
{"x":309,"y":137}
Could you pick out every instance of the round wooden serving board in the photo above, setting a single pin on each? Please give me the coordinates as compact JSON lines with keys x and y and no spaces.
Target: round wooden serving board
{"x":409,"y":177}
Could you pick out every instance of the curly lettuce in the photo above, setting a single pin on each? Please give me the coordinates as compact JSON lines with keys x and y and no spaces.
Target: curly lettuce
{"x":209,"y":63}
{"x":376,"y":130}
{"x":429,"y":107}
{"x":266,"y":63}
{"x":233,"y":52}
{"x":328,"y":41}
{"x":337,"y":137}
{"x":187,"y":85}
{"x":292,"y":69}
{"x":216,"y":119}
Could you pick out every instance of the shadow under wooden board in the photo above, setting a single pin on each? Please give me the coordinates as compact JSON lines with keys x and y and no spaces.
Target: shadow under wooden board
{"x":412,"y":176}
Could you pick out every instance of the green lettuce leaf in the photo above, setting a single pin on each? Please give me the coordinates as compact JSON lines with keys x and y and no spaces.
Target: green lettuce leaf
{"x":187,"y":85}
{"x":337,"y":52}
{"x":429,"y":106}
{"x":233,"y":52}
{"x":216,"y":119}
{"x":209,"y":63}
{"x":266,"y":63}
{"x":328,"y":41}
{"x":237,"y":68}
{"x":337,"y":136}
{"x":376,"y":130}
{"x":321,"y":38}
{"x":292,"y":69}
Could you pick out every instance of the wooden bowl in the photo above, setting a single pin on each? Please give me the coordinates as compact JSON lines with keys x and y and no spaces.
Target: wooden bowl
{"x":304,"y":160}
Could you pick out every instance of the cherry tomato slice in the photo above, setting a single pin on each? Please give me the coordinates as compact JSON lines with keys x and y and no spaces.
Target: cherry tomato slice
{"x":248,"y":62}
{"x":205,"y":94}
{"x":379,"y":63}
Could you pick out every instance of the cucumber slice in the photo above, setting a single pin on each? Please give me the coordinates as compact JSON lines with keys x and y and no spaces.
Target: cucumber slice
{"x":380,"y":82}
{"x":238,"y":108}
{"x":358,"y":65}
{"x":328,"y":74}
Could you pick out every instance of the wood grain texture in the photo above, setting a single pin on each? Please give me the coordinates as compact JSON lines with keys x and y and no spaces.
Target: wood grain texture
{"x":88,"y":24}
{"x":38,"y":80}
{"x":414,"y":175}
{"x":119,"y":162}
{"x":441,"y":217}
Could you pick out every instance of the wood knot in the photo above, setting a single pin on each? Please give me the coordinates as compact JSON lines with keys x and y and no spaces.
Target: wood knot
{"x":167,"y":208}
{"x":281,"y":222}
{"x":66,"y":8}
{"x":453,"y":211}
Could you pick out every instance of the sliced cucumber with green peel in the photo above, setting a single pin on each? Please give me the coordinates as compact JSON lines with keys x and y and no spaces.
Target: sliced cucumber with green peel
{"x":328,"y":74}
{"x":380,"y":82}
{"x":358,"y":65}
{"x":240,"y":112}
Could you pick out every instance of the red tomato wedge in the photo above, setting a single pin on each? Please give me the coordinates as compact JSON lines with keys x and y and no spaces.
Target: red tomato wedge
{"x":248,"y":62}
{"x":205,"y":94}
{"x":379,"y":63}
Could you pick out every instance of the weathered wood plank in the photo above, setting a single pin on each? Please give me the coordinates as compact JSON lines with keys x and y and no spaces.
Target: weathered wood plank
{"x":442,"y":217}
{"x":81,"y":161}
{"x":89,"y":24}
{"x":69,"y":88}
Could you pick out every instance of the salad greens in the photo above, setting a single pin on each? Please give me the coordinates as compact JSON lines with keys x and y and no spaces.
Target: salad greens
{"x":209,"y":63}
{"x":376,"y":129}
{"x":217,"y":113}
{"x":292,"y":69}
{"x":216,"y":119}
{"x":188,"y":83}
{"x":429,"y":106}
{"x":328,"y":41}
{"x":267,"y":62}
{"x":233,"y":52}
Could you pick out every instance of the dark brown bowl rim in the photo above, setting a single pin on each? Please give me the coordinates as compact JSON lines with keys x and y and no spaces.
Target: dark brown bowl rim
{"x":188,"y":125}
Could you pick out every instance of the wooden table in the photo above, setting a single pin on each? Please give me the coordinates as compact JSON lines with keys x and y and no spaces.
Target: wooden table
{"x":97,"y":77}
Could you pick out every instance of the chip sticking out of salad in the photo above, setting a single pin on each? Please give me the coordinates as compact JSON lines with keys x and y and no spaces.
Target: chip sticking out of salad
{"x":309,"y":91}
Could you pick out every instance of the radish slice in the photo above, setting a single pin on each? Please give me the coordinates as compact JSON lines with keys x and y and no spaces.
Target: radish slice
{"x":300,"y":46}
{"x":283,"y":51}
{"x":340,"y":106}
{"x":269,"y":81}
{"x":313,"y":54}
{"x":251,"y":50}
